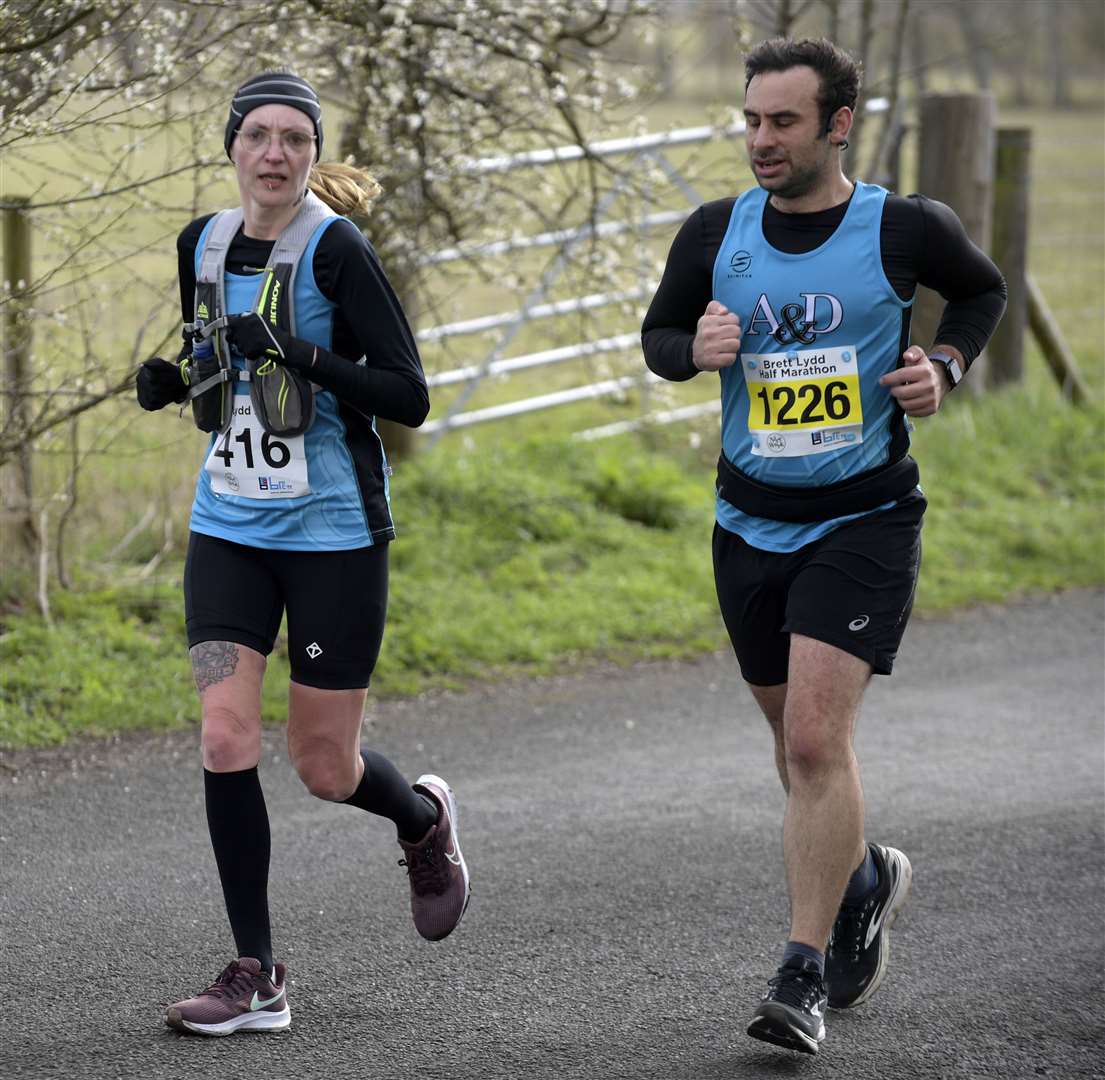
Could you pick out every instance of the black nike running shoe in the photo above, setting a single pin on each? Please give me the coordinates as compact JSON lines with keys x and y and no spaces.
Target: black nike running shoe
{"x":792,"y":1012}
{"x":859,"y":946}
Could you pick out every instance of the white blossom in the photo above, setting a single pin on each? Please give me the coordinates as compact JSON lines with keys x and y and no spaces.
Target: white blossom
{"x":118,"y":122}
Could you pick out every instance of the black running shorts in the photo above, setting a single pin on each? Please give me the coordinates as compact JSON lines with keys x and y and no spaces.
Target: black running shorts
{"x":852,"y":588}
{"x":335,"y":600}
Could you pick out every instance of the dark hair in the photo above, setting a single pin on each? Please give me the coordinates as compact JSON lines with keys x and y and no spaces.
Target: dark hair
{"x":837,"y":73}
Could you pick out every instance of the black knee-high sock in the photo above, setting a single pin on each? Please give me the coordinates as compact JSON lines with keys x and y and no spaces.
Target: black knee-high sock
{"x":383,"y":791}
{"x":239,"y":825}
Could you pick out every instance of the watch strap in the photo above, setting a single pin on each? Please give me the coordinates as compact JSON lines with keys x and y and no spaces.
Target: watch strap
{"x":949,"y":364}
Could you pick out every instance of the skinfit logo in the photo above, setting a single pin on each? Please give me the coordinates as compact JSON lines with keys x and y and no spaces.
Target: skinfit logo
{"x":858,"y":624}
{"x":314,"y":650}
{"x":740,"y":262}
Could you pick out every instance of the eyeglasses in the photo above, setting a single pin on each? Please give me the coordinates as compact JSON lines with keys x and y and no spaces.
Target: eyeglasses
{"x":258,"y":138}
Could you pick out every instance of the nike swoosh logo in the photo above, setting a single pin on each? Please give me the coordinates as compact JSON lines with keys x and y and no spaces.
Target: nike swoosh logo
{"x":263,"y":1003}
{"x":454,"y":855}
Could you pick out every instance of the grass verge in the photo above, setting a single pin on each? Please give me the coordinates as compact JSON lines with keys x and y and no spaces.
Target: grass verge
{"x":554,"y":553}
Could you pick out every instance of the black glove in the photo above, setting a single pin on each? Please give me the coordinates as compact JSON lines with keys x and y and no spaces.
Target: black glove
{"x":159,"y":383}
{"x":254,"y":338}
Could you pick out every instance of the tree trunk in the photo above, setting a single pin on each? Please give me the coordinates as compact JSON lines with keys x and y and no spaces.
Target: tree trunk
{"x":1057,"y":57}
{"x":866,"y":31}
{"x":890,"y":135}
{"x":663,"y":57}
{"x":978,"y":47}
{"x":784,"y":18}
{"x":918,"y":42}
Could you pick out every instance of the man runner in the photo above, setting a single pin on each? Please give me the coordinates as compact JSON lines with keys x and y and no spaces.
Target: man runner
{"x":799,"y":294}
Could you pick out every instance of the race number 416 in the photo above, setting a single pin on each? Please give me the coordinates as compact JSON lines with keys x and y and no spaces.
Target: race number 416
{"x":249,"y":462}
{"x":276,"y":454}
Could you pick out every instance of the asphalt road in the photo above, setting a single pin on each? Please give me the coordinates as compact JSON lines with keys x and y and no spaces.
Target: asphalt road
{"x":623,"y":830}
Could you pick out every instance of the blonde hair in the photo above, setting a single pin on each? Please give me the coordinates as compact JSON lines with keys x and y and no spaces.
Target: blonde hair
{"x":344,"y":187}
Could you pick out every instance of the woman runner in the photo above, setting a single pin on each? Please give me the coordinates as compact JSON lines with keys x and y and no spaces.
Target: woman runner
{"x":291,"y":513}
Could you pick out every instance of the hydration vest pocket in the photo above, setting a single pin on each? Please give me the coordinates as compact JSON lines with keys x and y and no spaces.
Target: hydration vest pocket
{"x":211,"y":392}
{"x":283,"y":400}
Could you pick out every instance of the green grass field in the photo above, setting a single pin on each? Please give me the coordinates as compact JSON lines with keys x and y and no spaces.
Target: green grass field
{"x":521,"y":550}
{"x":548,"y":554}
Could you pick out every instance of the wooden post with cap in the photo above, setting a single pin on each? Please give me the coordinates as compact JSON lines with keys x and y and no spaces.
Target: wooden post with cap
{"x":1010,"y":252}
{"x":955,"y":166}
{"x":18,"y":531}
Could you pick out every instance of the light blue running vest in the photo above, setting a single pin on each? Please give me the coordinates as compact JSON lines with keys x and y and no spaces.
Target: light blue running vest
{"x":332,"y":516}
{"x":802,"y":407}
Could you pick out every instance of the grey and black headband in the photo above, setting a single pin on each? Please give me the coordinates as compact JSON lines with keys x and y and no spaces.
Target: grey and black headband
{"x":274,"y":88}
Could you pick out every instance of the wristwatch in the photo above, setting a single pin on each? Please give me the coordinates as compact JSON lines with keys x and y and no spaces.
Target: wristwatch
{"x":950,"y":365}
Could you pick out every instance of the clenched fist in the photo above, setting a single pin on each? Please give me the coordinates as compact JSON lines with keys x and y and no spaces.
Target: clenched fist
{"x":918,"y":385}
{"x":718,"y":339}
{"x":158,"y":384}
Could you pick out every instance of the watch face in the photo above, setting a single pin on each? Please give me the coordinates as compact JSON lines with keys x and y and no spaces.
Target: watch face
{"x":951,"y":365}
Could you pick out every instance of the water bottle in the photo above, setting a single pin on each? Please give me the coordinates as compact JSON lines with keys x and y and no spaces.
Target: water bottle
{"x":202,"y":349}
{"x":198,"y":366}
{"x":211,"y":405}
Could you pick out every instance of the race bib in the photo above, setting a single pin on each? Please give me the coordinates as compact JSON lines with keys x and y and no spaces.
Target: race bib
{"x":246,"y":460}
{"x":803,"y":401}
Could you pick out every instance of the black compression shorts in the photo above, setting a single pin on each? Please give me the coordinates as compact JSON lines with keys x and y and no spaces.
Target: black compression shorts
{"x":852,"y":588}
{"x":335,"y":600}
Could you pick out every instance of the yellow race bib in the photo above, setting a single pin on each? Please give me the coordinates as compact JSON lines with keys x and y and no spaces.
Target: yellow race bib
{"x":803,"y":401}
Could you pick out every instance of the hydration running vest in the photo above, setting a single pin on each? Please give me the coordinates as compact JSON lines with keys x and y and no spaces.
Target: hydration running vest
{"x":283,"y":400}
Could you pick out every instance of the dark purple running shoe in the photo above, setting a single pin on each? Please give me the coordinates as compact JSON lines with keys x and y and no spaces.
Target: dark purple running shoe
{"x":437,"y":871}
{"x":242,"y":998}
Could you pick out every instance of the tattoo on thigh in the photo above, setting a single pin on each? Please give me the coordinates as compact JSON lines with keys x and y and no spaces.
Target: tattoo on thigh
{"x":213,"y":661}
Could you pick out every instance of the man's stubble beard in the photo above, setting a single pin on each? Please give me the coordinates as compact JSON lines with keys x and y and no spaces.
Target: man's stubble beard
{"x":801,"y":181}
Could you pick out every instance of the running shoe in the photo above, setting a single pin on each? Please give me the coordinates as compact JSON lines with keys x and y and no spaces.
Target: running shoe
{"x":242,"y":998}
{"x":859,"y":946}
{"x":792,"y":1012}
{"x":437,"y":871}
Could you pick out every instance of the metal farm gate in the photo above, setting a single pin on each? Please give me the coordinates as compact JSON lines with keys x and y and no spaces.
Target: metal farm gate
{"x":641,"y":151}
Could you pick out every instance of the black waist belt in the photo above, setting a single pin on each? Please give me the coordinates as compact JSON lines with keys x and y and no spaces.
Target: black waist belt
{"x":855,"y":495}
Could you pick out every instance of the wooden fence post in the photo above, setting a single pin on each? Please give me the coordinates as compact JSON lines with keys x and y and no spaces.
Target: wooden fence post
{"x":1010,"y":252}
{"x":955,"y":166}
{"x":18,"y":530}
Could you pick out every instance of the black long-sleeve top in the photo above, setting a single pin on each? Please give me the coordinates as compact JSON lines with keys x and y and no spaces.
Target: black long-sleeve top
{"x":922,"y":242}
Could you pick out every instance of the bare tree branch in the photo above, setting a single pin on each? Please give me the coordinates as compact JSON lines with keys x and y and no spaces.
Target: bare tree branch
{"x":891,"y":119}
